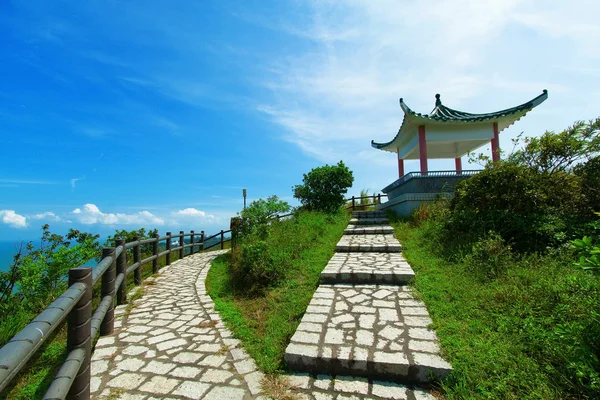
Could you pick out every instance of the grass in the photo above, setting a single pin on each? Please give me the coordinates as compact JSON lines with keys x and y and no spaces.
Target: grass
{"x":528,"y":334}
{"x":35,"y":378}
{"x":266,"y":321}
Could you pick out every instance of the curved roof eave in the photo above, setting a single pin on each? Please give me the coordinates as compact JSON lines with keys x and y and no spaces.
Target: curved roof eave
{"x":445,"y":114}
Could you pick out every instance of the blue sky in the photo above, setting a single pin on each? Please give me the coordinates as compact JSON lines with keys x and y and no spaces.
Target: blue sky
{"x":122,"y":114}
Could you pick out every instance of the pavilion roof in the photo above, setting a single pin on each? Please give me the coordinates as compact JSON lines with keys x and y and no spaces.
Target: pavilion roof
{"x":442,"y":115}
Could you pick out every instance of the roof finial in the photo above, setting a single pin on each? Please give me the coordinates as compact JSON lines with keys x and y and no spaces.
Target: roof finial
{"x":438,"y":102}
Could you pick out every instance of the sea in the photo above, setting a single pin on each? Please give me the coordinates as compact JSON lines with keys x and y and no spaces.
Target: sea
{"x":7,"y":251}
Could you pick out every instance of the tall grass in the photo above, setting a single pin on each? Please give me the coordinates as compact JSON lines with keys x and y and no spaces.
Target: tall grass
{"x":514,"y":326}
{"x":264,"y":320}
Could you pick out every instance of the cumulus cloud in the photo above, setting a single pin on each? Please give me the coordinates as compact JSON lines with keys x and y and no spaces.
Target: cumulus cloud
{"x":196,"y":214}
{"x":11,"y":218}
{"x":91,"y":214}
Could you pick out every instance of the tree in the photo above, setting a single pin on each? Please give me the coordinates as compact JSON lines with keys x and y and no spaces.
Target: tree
{"x":255,"y":217}
{"x":323,"y":188}
{"x":555,"y":152}
{"x":37,"y":276}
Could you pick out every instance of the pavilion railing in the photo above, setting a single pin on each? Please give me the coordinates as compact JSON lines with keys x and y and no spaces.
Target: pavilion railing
{"x":430,"y":174}
{"x":73,"y":378}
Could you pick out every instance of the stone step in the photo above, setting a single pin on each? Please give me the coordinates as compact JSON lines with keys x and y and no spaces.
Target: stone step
{"x":369,"y":214}
{"x":367,"y":268}
{"x":368,"y":230}
{"x":374,"y":331}
{"x":324,"y":386}
{"x":369,"y":221}
{"x":369,"y":243}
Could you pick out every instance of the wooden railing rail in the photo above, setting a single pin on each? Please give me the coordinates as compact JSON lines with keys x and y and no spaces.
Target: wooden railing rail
{"x":73,"y":378}
{"x":354,"y":205}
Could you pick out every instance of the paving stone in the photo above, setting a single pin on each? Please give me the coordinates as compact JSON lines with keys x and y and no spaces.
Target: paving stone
{"x":369,"y":243}
{"x":159,"y":385}
{"x":126,"y":381}
{"x":192,"y":390}
{"x":161,"y":350}
{"x":221,"y":393}
{"x":368,"y":267}
{"x":379,"y":346}
{"x":368,"y":230}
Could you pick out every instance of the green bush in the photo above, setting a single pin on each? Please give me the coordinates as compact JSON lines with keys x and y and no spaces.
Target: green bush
{"x":589,"y":173}
{"x":490,"y":257}
{"x":323,"y":188}
{"x":253,"y":265}
{"x":529,"y":209}
{"x":259,"y":214}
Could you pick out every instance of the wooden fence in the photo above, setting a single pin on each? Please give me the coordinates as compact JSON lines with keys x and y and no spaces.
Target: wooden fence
{"x":353,"y":205}
{"x":75,"y":304}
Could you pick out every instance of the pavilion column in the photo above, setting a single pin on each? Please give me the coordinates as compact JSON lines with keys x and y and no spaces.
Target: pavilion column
{"x":400,"y":166}
{"x":422,"y":149}
{"x":458,"y":165}
{"x":495,"y":144}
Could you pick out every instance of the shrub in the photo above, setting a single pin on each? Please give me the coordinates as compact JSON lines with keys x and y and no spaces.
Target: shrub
{"x":529,"y":209}
{"x":589,"y":173}
{"x":254,"y":267}
{"x":256,"y":217}
{"x":489,"y":257}
{"x":323,"y":188}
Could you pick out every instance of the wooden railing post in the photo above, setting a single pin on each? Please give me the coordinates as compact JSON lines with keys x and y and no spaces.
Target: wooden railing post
{"x":379,"y":198}
{"x":137,"y":257}
{"x":155,"y":253}
{"x":234,"y":226}
{"x":192,"y":241}
{"x":122,"y":268}
{"x":352,"y":203}
{"x":201,"y":240}
{"x":108,"y":289}
{"x":181,"y":242}
{"x":168,"y":257}
{"x":374,"y":198}
{"x":222,"y":242}
{"x":79,"y":332}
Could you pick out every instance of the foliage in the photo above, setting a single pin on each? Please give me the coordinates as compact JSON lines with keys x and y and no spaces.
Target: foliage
{"x":256,"y":217}
{"x":528,"y":209}
{"x":554,"y":152}
{"x":530,"y":332}
{"x":254,"y":265}
{"x":129,"y":236}
{"x":588,"y":251}
{"x":323,"y":188}
{"x":37,"y":276}
{"x":489,"y":257}
{"x":589,"y":173}
{"x":265,"y":319}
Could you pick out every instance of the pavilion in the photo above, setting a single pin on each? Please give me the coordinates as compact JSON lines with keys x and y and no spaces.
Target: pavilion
{"x":443,"y":133}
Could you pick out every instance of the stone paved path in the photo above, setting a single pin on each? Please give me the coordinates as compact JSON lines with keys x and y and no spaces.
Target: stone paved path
{"x":356,"y":326}
{"x":171,"y":344}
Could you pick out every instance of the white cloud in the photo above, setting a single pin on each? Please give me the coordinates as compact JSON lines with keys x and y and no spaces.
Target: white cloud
{"x":48,"y":216}
{"x":73,"y":181}
{"x":359,"y":57}
{"x":91,"y":214}
{"x":196,"y":214}
{"x":13,"y":219}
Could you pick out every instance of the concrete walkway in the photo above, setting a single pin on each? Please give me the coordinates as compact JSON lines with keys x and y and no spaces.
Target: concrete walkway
{"x":363,"y":321}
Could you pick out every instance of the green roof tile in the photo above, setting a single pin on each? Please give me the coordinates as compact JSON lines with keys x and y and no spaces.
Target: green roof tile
{"x":441,"y":113}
